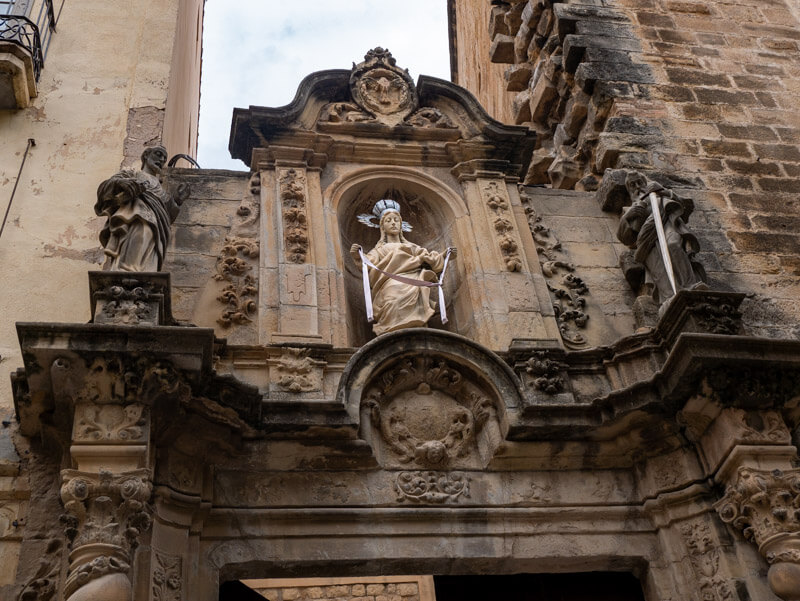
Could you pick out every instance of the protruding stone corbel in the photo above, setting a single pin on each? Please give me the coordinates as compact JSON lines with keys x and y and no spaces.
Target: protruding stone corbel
{"x":765,"y":506}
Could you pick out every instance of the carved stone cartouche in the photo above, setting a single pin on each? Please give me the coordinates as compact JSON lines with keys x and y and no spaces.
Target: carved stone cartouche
{"x":384,"y":94}
{"x":428,"y":414}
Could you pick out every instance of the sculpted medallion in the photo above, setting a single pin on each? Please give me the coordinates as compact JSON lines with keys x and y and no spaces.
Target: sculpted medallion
{"x":381,"y":87}
{"x":428,"y":413}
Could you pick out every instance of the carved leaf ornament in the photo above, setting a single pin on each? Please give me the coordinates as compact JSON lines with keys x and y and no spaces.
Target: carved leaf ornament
{"x":431,"y":487}
{"x":567,"y":291}
{"x":762,"y":504}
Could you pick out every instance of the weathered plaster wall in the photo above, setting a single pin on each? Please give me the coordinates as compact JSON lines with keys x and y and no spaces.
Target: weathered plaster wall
{"x":102,"y":98}
{"x":183,"y":100}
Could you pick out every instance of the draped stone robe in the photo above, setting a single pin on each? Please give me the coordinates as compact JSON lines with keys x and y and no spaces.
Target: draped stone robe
{"x":397,"y":305}
{"x":139,"y":213}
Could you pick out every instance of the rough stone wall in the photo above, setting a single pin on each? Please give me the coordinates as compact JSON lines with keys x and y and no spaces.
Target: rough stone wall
{"x":703,"y":95}
{"x":729,"y":84}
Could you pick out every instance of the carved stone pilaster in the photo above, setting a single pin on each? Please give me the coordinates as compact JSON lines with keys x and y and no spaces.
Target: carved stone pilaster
{"x":293,"y":195}
{"x":502,"y":221}
{"x":704,"y":557}
{"x":105,"y":515}
{"x":167,"y":577}
{"x":765,"y":506}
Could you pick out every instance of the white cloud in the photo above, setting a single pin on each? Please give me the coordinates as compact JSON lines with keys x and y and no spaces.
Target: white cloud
{"x":256,"y":52}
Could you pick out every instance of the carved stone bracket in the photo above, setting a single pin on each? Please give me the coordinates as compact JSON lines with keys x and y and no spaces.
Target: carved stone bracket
{"x":235,"y":269}
{"x":130,"y":299}
{"x":765,"y":506}
{"x":496,"y":199}
{"x":295,"y":371}
{"x":293,"y":195}
{"x":105,"y":515}
{"x":567,"y":290}
{"x":430,"y":487}
{"x":701,"y":311}
{"x":545,"y":372}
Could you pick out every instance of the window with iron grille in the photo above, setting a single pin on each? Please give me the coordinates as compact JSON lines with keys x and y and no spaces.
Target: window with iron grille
{"x":29,"y":24}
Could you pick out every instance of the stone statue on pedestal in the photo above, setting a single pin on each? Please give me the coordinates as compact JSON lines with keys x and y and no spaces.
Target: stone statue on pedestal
{"x":140,"y":212}
{"x":638,"y":230}
{"x":402,"y":273}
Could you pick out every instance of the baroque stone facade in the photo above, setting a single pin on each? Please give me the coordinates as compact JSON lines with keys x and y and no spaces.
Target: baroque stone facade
{"x":234,"y":417}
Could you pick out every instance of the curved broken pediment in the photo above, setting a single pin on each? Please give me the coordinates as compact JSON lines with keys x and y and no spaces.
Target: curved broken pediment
{"x":378,"y":99}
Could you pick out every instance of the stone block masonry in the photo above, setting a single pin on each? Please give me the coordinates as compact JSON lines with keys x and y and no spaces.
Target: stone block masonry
{"x":727,"y":77}
{"x":703,"y":95}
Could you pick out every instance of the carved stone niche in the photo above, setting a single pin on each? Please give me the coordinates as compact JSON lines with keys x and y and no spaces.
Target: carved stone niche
{"x":430,"y":400}
{"x":433,"y":220}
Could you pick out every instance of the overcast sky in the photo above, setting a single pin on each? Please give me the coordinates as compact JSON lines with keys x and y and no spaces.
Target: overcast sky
{"x":256,"y":52}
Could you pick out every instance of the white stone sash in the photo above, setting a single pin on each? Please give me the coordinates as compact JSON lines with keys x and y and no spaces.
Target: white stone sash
{"x":366,"y":264}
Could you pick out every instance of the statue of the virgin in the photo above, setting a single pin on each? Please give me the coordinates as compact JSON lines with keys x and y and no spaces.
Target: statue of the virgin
{"x":401,"y":273}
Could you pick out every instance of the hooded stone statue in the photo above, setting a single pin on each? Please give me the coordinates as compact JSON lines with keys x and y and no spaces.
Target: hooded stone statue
{"x":637,"y":230}
{"x":140,"y":212}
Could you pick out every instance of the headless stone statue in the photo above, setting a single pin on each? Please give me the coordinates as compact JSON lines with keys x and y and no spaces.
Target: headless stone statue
{"x":637,"y":230}
{"x":139,"y":214}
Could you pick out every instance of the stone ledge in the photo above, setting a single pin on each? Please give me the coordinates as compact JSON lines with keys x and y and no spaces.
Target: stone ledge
{"x":17,"y":78}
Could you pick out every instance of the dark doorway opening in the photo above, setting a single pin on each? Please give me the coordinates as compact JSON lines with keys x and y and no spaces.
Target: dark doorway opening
{"x":583,"y":586}
{"x":233,"y":590}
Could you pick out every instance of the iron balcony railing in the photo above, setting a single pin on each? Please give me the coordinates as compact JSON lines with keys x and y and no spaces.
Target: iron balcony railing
{"x":31,"y":34}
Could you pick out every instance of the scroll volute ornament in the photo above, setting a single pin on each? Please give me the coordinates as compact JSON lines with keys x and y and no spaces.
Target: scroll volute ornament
{"x":430,"y":413}
{"x":765,"y":506}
